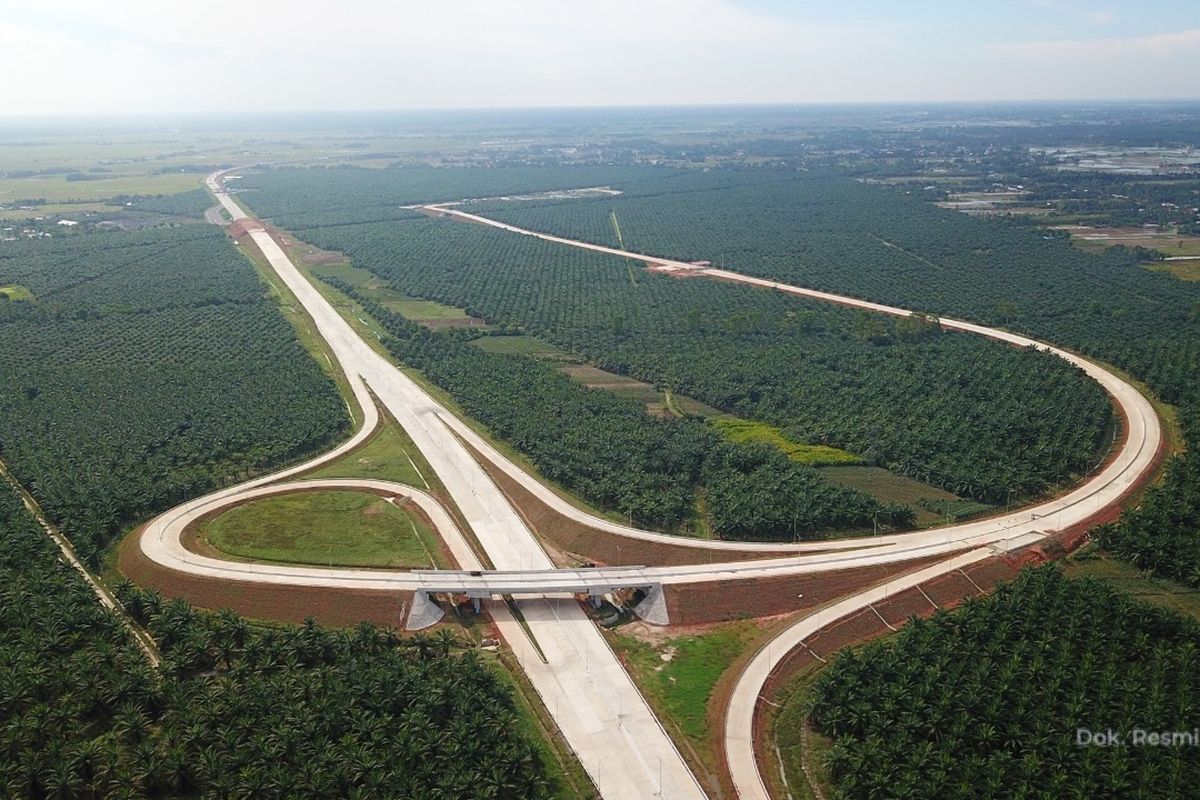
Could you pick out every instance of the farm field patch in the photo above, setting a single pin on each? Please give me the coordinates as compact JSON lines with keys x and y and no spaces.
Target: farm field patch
{"x":430,"y":313}
{"x":524,"y":345}
{"x":1168,"y":242}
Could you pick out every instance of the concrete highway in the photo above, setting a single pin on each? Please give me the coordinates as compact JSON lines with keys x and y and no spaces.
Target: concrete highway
{"x":1143,"y":438}
{"x":744,"y":701}
{"x":581,"y":682}
{"x":599,"y":710}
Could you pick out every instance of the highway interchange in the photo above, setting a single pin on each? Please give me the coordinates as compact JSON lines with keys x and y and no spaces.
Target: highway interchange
{"x":599,"y":710}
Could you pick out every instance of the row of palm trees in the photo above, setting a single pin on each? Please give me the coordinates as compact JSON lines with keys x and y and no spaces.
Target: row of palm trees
{"x":966,"y":414}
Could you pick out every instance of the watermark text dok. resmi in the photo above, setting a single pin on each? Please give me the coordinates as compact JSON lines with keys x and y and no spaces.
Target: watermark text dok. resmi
{"x":1137,"y":737}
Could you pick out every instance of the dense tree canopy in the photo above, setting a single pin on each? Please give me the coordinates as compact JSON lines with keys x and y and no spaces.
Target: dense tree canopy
{"x":986,"y":701}
{"x":237,"y":711}
{"x":831,"y":233}
{"x":961,"y":412}
{"x":148,"y":368}
{"x":613,"y":453}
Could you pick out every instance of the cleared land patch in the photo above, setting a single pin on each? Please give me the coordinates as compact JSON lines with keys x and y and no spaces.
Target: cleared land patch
{"x":328,"y":527}
{"x":932,"y":505}
{"x":526,"y":346}
{"x":1130,"y":580}
{"x":1167,"y":242}
{"x":15,"y":292}
{"x":430,"y":313}
{"x":815,"y":455}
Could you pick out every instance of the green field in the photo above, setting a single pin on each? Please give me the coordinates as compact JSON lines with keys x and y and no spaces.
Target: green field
{"x":388,"y":456}
{"x":1183,"y":270}
{"x":1127,"y":578}
{"x":352,"y":275}
{"x":426,"y":312}
{"x":56,"y":190}
{"x":419,"y":310}
{"x":328,"y":527}
{"x":524,"y":345}
{"x":932,"y":504}
{"x":816,"y":455}
{"x":677,"y":674}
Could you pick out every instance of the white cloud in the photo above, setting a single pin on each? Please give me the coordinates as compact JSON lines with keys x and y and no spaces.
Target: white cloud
{"x":1157,"y":44}
{"x":1103,"y":17}
{"x":233,"y":55}
{"x":381,"y":54}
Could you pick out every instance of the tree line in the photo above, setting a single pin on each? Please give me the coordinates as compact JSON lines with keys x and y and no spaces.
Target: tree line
{"x":960,"y":412}
{"x":828,"y":232}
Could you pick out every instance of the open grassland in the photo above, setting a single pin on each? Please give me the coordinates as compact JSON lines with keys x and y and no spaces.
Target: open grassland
{"x":1188,"y":270}
{"x":1167,"y":242}
{"x":13,"y":213}
{"x":524,"y":345}
{"x":61,"y":170}
{"x":429,"y":313}
{"x":56,"y":190}
{"x":337,"y":528}
{"x":1140,"y":584}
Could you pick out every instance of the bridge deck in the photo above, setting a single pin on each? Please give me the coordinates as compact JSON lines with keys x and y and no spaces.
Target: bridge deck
{"x":490,"y":583}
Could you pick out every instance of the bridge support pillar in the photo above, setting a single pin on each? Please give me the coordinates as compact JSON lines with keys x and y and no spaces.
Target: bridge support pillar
{"x":423,"y":612}
{"x":653,"y":608}
{"x":477,"y":604}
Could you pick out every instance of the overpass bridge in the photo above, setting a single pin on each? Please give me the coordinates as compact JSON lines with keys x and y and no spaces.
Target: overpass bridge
{"x":483,"y":584}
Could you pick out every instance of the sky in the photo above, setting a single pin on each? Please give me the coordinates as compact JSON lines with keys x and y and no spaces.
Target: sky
{"x":158,"y":56}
